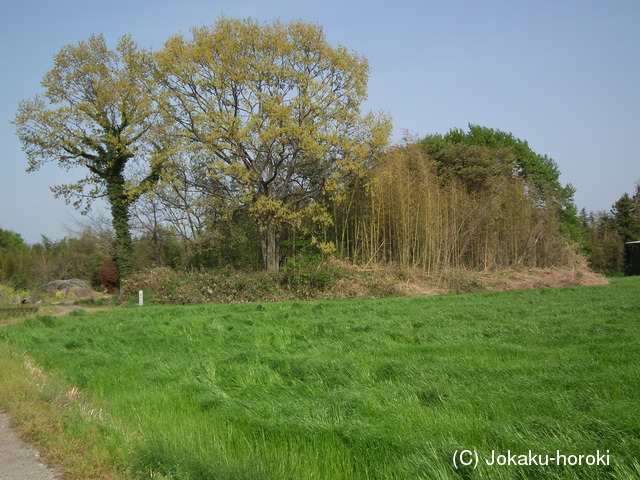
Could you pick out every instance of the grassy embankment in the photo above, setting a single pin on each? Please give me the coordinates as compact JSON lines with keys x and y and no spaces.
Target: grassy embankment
{"x":385,"y":389}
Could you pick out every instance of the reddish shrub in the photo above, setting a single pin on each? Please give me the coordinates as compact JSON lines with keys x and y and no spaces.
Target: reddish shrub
{"x":109,"y":277}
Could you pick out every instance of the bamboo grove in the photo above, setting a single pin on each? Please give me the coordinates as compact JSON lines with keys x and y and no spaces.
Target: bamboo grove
{"x":407,"y":214}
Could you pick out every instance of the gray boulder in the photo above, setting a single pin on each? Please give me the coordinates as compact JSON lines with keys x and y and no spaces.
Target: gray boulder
{"x":65,"y":286}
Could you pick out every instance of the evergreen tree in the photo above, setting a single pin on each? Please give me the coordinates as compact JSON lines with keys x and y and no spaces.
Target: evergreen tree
{"x":626,"y":218}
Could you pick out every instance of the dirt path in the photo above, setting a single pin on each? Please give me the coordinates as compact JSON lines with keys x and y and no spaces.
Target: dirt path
{"x":19,"y":461}
{"x":67,"y":307}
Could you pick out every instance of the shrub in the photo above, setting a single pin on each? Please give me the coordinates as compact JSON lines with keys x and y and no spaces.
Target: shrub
{"x":461,"y":281}
{"x":167,"y":286}
{"x":309,"y":274}
{"x":109,"y":277}
{"x":10,"y":295}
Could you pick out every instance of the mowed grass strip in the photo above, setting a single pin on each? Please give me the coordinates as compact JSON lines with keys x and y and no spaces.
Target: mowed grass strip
{"x":381,"y":389}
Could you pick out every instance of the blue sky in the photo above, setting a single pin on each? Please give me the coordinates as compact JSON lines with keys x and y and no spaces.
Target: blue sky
{"x":563,"y":75}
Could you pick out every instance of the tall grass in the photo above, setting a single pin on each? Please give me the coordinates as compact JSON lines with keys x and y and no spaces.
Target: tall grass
{"x":383,"y":389}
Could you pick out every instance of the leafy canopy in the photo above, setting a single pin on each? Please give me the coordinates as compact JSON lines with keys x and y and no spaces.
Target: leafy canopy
{"x":11,"y":240}
{"x":539,"y":170}
{"x":276,"y":108}
{"x":98,"y":112}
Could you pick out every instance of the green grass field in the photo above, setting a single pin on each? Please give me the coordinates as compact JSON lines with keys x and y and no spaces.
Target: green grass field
{"x":379,"y":389}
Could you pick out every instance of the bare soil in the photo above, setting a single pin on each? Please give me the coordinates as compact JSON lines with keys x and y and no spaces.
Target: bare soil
{"x":65,"y":308}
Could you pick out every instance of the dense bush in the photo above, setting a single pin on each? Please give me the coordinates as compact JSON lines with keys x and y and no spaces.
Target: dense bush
{"x":9,"y":295}
{"x":164,"y":285}
{"x":306,"y":280}
{"x":309,"y":274}
{"x":109,"y":277}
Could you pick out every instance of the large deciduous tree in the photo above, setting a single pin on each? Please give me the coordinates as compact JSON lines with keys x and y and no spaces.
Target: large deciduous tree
{"x":98,"y":112}
{"x":276,"y":108}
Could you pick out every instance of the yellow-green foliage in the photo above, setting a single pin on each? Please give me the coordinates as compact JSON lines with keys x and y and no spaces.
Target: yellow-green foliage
{"x":277,"y":109}
{"x":10,"y":295}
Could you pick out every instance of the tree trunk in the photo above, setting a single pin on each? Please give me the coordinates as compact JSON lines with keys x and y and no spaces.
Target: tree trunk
{"x":270,"y":244}
{"x":123,"y":255}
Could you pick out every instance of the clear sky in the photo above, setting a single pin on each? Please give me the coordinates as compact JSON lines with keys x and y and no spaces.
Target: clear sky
{"x":562,"y":74}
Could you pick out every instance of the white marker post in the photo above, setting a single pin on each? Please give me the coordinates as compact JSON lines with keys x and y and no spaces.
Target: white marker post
{"x":140,"y":299}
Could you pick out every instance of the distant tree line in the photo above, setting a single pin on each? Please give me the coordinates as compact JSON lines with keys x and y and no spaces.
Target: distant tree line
{"x":409,"y":210}
{"x":244,"y":146}
{"x":606,"y":232}
{"x":433,"y":207}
